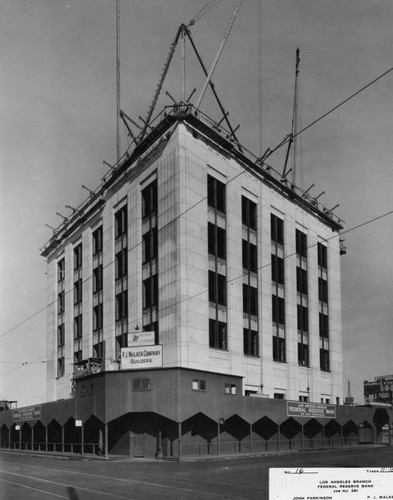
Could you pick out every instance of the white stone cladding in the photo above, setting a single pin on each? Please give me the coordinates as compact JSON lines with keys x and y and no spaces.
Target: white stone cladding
{"x":181,"y":171}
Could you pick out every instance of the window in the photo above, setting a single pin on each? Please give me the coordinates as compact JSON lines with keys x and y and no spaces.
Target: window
{"x":302,"y":318}
{"x":322,"y":290}
{"x":199,"y":385}
{"x":301,"y":243}
{"x":249,"y":213}
{"x":215,"y":194}
{"x":78,"y":327}
{"x":230,"y":389}
{"x":216,"y":241}
{"x":78,"y":257}
{"x":250,"y":300}
{"x":249,"y":256}
{"x":122,"y":306}
{"x":99,"y":350}
{"x":97,"y":317}
{"x":322,"y":256}
{"x":302,"y":354}
{"x":279,"y":395}
{"x":278,"y":349}
{"x":78,"y":292}
{"x":217,"y":334}
{"x":323,"y":325}
{"x":324,"y":360}
{"x":60,"y":302}
{"x":304,"y":399}
{"x":60,"y":367}
{"x":60,"y":335}
{"x":278,"y":310}
{"x":301,"y":280}
{"x":61,"y":270}
{"x":77,"y":356}
{"x":97,"y":241}
{"x":277,"y":229}
{"x":149,"y":200}
{"x":337,"y":400}
{"x":277,"y":269}
{"x":121,"y":263}
{"x":97,"y":279}
{"x":121,"y":222}
{"x":250,"y":342}
{"x":150,"y":291}
{"x":141,"y":384}
{"x":153,"y":327}
{"x":217,"y":288}
{"x":150,"y":245}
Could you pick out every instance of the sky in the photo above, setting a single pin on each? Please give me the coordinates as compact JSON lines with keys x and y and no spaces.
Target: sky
{"x":58,"y":125}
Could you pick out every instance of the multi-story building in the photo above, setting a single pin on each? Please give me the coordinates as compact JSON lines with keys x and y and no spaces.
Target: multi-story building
{"x":235,"y":270}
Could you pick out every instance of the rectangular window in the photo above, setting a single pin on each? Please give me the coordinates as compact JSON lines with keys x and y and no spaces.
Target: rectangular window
{"x":322,"y":290}
{"x":217,"y":334}
{"x":301,"y":243}
{"x":97,"y":279}
{"x":141,"y":384}
{"x":61,"y":302}
{"x":215,"y":194}
{"x":78,"y":292}
{"x":150,"y":245}
{"x":78,"y":327}
{"x":249,"y":256}
{"x":121,"y":261}
{"x":60,"y":335}
{"x":277,"y":229}
{"x":199,"y":385}
{"x":304,"y":399}
{"x":301,"y":280}
{"x":150,"y":291}
{"x":97,"y":241}
{"x":217,"y":288}
{"x":302,"y":354}
{"x":278,"y":348}
{"x":302,"y":318}
{"x":60,"y":367}
{"x":149,"y":200}
{"x":277,"y":269}
{"x":249,"y":213}
{"x":250,"y":300}
{"x":279,"y":395}
{"x":216,"y":241}
{"x":230,"y":389}
{"x":97,"y":317}
{"x":122,"y":306}
{"x":99,"y":350}
{"x":77,"y":357}
{"x":322,"y":256}
{"x":278,"y":310}
{"x":324,"y":359}
{"x":323,"y":325}
{"x":121,"y":222}
{"x":78,"y":257}
{"x":61,"y":270}
{"x":250,"y":342}
{"x":153,"y":327}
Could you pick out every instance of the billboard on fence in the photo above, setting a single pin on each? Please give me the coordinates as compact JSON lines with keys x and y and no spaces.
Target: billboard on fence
{"x":26,"y":413}
{"x":316,"y":410}
{"x":138,"y":358}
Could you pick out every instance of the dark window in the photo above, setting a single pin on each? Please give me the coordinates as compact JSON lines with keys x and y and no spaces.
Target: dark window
{"x":141,"y":384}
{"x":322,"y":255}
{"x":322,"y":290}
{"x":121,"y":222}
{"x":150,"y":291}
{"x":323,"y":325}
{"x":249,"y":213}
{"x":278,"y":348}
{"x":324,"y":359}
{"x":121,"y":263}
{"x":250,"y":342}
{"x":149,"y":200}
{"x":279,"y":395}
{"x":60,"y":270}
{"x":60,"y":335}
{"x":99,"y":350}
{"x":153,"y":327}
{"x":301,"y":280}
{"x":249,"y":256}
{"x":277,"y":269}
{"x":78,"y":327}
{"x":304,"y":399}
{"x":302,"y":318}
{"x":78,"y":292}
{"x":215,"y":194}
{"x":60,"y":302}
{"x":302,"y":354}
{"x":277,"y":229}
{"x":217,"y":288}
{"x":217,"y":334}
{"x":199,"y":385}
{"x":278,"y":310}
{"x":216,"y":241}
{"x":60,"y":367}
{"x":250,"y":300}
{"x":97,"y":279}
{"x":97,"y":241}
{"x":230,"y":389}
{"x":301,"y":243}
{"x":121,"y":306}
{"x":77,"y":356}
{"x":78,"y":256}
{"x":97,"y":317}
{"x":121,"y":341}
{"x":150,"y":246}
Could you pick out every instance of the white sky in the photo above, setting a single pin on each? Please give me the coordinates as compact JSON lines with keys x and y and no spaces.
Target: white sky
{"x":57,"y":125}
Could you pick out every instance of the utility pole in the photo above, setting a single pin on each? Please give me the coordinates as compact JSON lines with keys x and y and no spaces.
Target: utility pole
{"x":118,"y":79}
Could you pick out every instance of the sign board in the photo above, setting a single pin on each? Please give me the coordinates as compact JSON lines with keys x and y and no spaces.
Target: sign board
{"x":140,"y":338}
{"x":26,"y":413}
{"x":138,"y":358}
{"x":78,"y":423}
{"x":313,"y":410}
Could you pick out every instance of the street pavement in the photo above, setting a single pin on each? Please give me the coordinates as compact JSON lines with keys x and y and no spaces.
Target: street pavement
{"x":28,"y":477}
